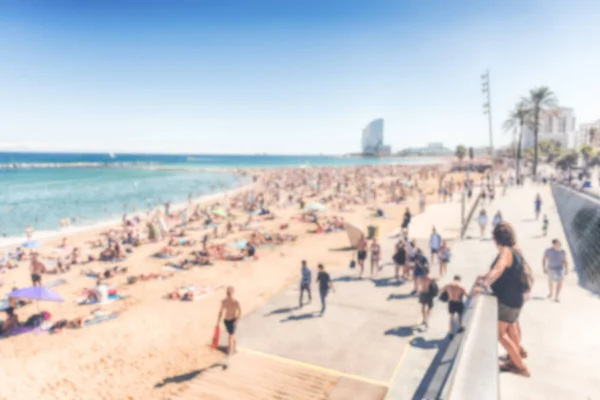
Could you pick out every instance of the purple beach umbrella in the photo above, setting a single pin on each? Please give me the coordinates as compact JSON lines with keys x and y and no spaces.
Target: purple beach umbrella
{"x":39,"y":293}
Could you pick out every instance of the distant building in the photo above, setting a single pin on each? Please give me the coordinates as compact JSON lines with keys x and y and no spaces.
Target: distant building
{"x":557,"y":125}
{"x":585,"y":132}
{"x":432,"y":149}
{"x":372,"y":139}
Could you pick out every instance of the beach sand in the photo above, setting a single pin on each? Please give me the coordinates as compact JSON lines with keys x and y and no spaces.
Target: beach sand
{"x":152,"y":339}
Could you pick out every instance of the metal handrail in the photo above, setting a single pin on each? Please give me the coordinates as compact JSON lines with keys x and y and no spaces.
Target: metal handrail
{"x":467,"y":221}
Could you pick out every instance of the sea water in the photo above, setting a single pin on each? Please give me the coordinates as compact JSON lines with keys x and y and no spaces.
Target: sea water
{"x":40,"y":189}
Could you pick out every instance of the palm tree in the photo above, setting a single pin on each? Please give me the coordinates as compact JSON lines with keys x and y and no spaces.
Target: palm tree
{"x":540,"y":99}
{"x":461,"y":152}
{"x":592,"y":135}
{"x":567,"y":160}
{"x":588,"y":154}
{"x":518,"y":117}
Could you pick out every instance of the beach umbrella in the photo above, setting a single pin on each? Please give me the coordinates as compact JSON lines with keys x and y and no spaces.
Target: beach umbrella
{"x":354,"y":234}
{"x":314,"y":207}
{"x":39,"y":293}
{"x":32,"y":244}
{"x":221,"y":212}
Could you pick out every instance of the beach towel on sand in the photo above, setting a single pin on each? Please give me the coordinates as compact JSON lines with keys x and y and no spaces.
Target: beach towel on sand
{"x":111,"y":298}
{"x":99,"y":319}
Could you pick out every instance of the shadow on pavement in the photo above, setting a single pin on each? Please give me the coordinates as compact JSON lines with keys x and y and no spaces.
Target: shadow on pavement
{"x":385,"y":282}
{"x":188,"y":376}
{"x":347,"y":278}
{"x":427,"y":344}
{"x":401,"y":331}
{"x":301,"y":317}
{"x":347,"y":248}
{"x":435,"y":378}
{"x":282,"y":310}
{"x":402,"y":296}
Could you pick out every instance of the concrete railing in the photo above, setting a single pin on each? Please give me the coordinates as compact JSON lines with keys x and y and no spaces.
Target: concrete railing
{"x":579,"y":212}
{"x":474,"y":374}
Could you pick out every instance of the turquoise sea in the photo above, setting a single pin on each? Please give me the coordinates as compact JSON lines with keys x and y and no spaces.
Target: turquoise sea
{"x":39,"y":189}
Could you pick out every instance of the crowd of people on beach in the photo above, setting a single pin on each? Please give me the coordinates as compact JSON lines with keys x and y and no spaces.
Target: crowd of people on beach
{"x":510,"y":278}
{"x":240,"y":227}
{"x":232,"y":229}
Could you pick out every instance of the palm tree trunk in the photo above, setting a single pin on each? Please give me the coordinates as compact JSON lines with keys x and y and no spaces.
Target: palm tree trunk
{"x":519,"y":154}
{"x":536,"y":129}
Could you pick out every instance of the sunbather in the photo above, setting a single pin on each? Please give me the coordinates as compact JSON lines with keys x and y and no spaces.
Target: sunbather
{"x":11,"y":322}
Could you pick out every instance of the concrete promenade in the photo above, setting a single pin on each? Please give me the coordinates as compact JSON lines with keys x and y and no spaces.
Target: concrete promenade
{"x":354,"y":351}
{"x":368,"y":342}
{"x":562,"y":338}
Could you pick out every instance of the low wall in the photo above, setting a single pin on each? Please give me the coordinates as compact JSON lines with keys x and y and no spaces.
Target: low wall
{"x":580,"y":217}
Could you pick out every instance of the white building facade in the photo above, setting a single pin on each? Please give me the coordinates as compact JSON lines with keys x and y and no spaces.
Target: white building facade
{"x":586,"y":130}
{"x":372,"y":138}
{"x":557,"y":125}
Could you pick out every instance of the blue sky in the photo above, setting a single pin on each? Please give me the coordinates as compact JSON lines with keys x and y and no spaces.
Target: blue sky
{"x":283,"y":76}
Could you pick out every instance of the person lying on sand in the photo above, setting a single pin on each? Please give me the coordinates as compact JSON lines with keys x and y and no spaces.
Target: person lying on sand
{"x":168,"y":251}
{"x":79,"y":322}
{"x":149,"y":277}
{"x":181,"y":242}
{"x":11,"y":322}
{"x":183,"y":294}
{"x":107,"y":273}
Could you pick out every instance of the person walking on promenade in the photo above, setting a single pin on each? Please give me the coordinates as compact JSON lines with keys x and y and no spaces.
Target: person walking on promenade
{"x":325,"y":283}
{"x":435,"y":242}
{"x":508,"y":281}
{"x":428,"y":290}
{"x":231,"y":312}
{"x":375,"y":257}
{"x":400,"y":261}
{"x":456,"y":306}
{"x":538,"y":206}
{"x":482,"y":221}
{"x":545,"y":226}
{"x":406,"y":222}
{"x":361,"y":254}
{"x":555,"y":266}
{"x":497,"y":219}
{"x":305,"y":281}
{"x":444,"y":255}
{"x":420,"y":264}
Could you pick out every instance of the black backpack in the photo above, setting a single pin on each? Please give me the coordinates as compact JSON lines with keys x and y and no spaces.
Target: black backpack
{"x":523,"y":272}
{"x":434,"y":290}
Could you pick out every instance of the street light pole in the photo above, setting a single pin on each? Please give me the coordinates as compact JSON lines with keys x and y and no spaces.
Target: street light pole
{"x":487,"y":110}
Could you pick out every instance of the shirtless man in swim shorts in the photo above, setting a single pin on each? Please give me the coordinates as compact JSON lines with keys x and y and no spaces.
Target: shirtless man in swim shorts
{"x":456,"y":293}
{"x":37,"y":268}
{"x":231,"y":311}
{"x":361,"y":254}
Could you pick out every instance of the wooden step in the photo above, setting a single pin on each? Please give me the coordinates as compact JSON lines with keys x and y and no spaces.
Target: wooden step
{"x":256,"y":377}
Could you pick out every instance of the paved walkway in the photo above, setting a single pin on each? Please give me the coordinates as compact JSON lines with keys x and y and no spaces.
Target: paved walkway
{"x":354,"y":351}
{"x":563,"y":339}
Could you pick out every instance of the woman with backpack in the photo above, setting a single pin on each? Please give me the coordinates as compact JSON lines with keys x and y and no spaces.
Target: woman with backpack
{"x":509,"y":281}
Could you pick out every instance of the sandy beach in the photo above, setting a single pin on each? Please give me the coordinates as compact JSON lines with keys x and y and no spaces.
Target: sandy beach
{"x":153,"y":338}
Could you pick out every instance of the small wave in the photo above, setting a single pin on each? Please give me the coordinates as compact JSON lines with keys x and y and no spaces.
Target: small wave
{"x":75,"y":165}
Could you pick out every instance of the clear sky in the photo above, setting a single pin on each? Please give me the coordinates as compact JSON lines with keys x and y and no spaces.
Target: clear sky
{"x":283,"y":76}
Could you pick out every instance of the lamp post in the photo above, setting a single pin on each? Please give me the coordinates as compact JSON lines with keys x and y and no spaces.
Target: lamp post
{"x":487,"y":110}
